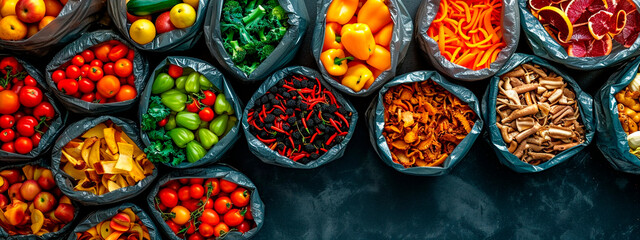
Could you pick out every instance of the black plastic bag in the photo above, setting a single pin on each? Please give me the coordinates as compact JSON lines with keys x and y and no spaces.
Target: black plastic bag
{"x":214,"y":171}
{"x":106,"y":214}
{"x":54,"y":129}
{"x":64,"y":181}
{"x":375,"y":123}
{"x":173,"y":41}
{"x":402,"y":35}
{"x":219,"y":150}
{"x":75,"y":17}
{"x":612,"y":140}
{"x":511,"y":34}
{"x":60,"y":234}
{"x":494,"y":137}
{"x":264,"y":153}
{"x":88,"y":40}
{"x":545,"y":46}
{"x":283,"y":54}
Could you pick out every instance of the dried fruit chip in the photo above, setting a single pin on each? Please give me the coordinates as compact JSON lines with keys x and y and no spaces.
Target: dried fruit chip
{"x":599,"y":24}
{"x":559,"y":20}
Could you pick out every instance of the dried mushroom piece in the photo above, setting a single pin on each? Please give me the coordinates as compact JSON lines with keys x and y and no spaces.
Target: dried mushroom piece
{"x":537,"y":114}
{"x":424,"y":123}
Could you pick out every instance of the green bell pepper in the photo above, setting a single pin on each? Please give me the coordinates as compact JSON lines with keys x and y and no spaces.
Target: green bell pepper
{"x":188,"y":120}
{"x":180,"y":82}
{"x":192,"y":85}
{"x":163,"y":83}
{"x":204,"y":82}
{"x":195,"y":151}
{"x":230,"y":124}
{"x":181,"y":136}
{"x":174,"y":100}
{"x":219,"y":124}
{"x":221,"y":105}
{"x":171,"y":122}
{"x":207,"y":138}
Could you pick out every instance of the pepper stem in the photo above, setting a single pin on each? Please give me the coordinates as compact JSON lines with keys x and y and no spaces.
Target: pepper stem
{"x":338,"y":39}
{"x":338,"y":61}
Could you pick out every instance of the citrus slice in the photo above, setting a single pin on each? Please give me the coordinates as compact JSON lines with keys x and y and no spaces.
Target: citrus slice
{"x":577,"y":49}
{"x":564,"y":5}
{"x":597,"y":5}
{"x":611,"y":5}
{"x":599,"y":24}
{"x":618,"y":22}
{"x":626,"y":5}
{"x":581,"y":33}
{"x":576,"y":9}
{"x":537,"y":4}
{"x":600,"y":47}
{"x":559,"y":20}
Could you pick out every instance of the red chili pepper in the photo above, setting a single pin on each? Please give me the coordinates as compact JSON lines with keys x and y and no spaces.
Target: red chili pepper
{"x":333,"y":99}
{"x":324,"y":150}
{"x":305,"y":90}
{"x":289,"y":153}
{"x":305,"y":125}
{"x":333,"y":122}
{"x":291,"y":140}
{"x":343,"y":118}
{"x":331,"y":138}
{"x":314,"y":136}
{"x":278,"y":130}
{"x":309,"y":115}
{"x":343,"y":133}
{"x":289,"y":87}
{"x":297,"y":157}
{"x":273,"y":146}
{"x":279,"y":107}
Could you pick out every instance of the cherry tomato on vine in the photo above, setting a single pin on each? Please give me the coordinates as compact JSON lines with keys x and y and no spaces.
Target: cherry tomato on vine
{"x":191,"y":204}
{"x":44,"y":109}
{"x":196,"y":180}
{"x":7,"y":135}
{"x":7,"y":121}
{"x":68,"y":86}
{"x":196,"y":191}
{"x":182,"y":215}
{"x":227,"y":186}
{"x":240,"y":197}
{"x":214,"y":184}
{"x":173,"y":184}
{"x":244,"y":227}
{"x":208,"y":204}
{"x":191,"y":227}
{"x":96,"y":63}
{"x":206,"y":230}
{"x":173,"y":226}
{"x":26,"y":126}
{"x":220,"y":229}
{"x":209,"y":98}
{"x":23,"y":145}
{"x":248,"y":214}
{"x":10,"y":63}
{"x":88,"y":55}
{"x":210,"y":216}
{"x":183,"y":193}
{"x":95,"y":73}
{"x":30,"y":81}
{"x":73,"y":72}
{"x":195,"y":236}
{"x":234,"y":217}
{"x":35,"y":139}
{"x":206,"y":114}
{"x":30,"y":96}
{"x":77,"y":60}
{"x":168,"y":197}
{"x":174,"y":71}
{"x":222,"y":205}
{"x":193,"y":106}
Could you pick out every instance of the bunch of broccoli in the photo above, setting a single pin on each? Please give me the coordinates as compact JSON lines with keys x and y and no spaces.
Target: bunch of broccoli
{"x":251,"y":30}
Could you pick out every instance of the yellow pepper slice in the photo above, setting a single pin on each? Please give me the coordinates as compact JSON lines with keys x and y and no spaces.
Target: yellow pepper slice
{"x":357,"y":76}
{"x":341,"y":11}
{"x":358,"y":40}
{"x":334,"y":61}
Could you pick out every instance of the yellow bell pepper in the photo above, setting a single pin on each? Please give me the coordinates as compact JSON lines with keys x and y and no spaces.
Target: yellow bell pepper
{"x":374,"y":13}
{"x":383,"y":37}
{"x":341,"y":11}
{"x":380,"y":58}
{"x":358,"y":40}
{"x":331,"y":37}
{"x":357,"y":76}
{"x":334,"y":61}
{"x":376,"y":73}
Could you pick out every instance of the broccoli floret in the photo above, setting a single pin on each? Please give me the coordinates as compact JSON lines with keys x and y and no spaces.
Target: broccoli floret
{"x":249,"y":69}
{"x":277,"y":33}
{"x":279,"y":13}
{"x":237,"y":53}
{"x":232,"y":11}
{"x":254,"y":20}
{"x":265,"y":52}
{"x":253,"y":47}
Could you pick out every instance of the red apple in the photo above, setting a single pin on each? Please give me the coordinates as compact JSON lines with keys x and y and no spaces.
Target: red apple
{"x":44,"y":202}
{"x":4,"y":201}
{"x":16,"y":213}
{"x":29,"y":190}
{"x":14,"y":192}
{"x":46,"y":180}
{"x":65,"y":212}
{"x":163,"y":23}
{"x":53,"y":7}
{"x":30,"y":11}
{"x":12,"y":175}
{"x":4,"y":184}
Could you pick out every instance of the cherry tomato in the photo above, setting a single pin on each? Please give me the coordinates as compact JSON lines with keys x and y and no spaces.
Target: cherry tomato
{"x":30,"y":81}
{"x":173,"y":226}
{"x":102,"y":51}
{"x":17,"y":87}
{"x":182,"y":215}
{"x":222,"y":205}
{"x":84,"y":70}
{"x":123,"y":67}
{"x":191,"y":204}
{"x":108,"y":69}
{"x":108,"y":86}
{"x":210,"y":216}
{"x":127,"y":92}
{"x":8,"y":147}
{"x":191,"y":228}
{"x":88,"y":55}
{"x":131,"y":80}
{"x":18,"y":115}
{"x":77,"y":60}
{"x":10,"y":102}
{"x":73,"y":72}
{"x":196,"y":181}
{"x":173,"y":184}
{"x":35,"y":139}
{"x":196,"y":236}
{"x":30,"y":96}
{"x":196,"y":191}
{"x":7,"y":121}
{"x":183,"y":181}
{"x":209,"y":98}
{"x":183,"y":193}
{"x":86,"y":86}
{"x":174,"y":71}
{"x":248,"y":214}
{"x":68,"y":86}
{"x":131,"y":55}
{"x":163,"y":122}
{"x":10,"y":64}
{"x":58,"y":75}
{"x":23,"y":145}
{"x":220,"y":229}
{"x":117,"y":52}
{"x":161,"y":207}
{"x":214,"y":184}
{"x":227,"y":186}
{"x":193,"y":106}
{"x":244,"y":227}
{"x":208,"y":204}
{"x":7,"y":135}
{"x":206,"y":114}
{"x":123,"y":81}
{"x":26,"y":126}
{"x":168,"y":197}
{"x":96,"y":63}
{"x":95,"y":73}
{"x":100,"y":98}
{"x":240,"y":197}
{"x":44,"y":109}
{"x":206,"y":230}
{"x":234,"y":217}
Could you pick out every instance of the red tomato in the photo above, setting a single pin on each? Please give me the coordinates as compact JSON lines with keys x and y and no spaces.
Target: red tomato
{"x":131,"y":55}
{"x":10,"y":64}
{"x":84,"y":70}
{"x":210,"y":216}
{"x":123,"y":81}
{"x":222,"y":205}
{"x":227,"y":186}
{"x":234,"y":217}
{"x":10,"y":102}
{"x":108,"y":86}
{"x":196,"y":191}
{"x":208,"y":204}
{"x":131,"y":80}
{"x":73,"y":72}
{"x":117,"y":52}
{"x":168,"y":197}
{"x":209,"y":98}
{"x":248,"y":214}
{"x":196,"y":181}
{"x":95,"y":73}
{"x":7,"y":135}
{"x":7,"y":121}
{"x":240,"y":197}
{"x":244,"y":227}
{"x":173,"y":184}
{"x":206,"y":230}
{"x":30,"y":81}
{"x":108,"y":69}
{"x":17,"y":87}
{"x":182,"y":215}
{"x":220,"y":229}
{"x":77,"y":60}
{"x":58,"y":75}
{"x":96,"y":63}
{"x":191,"y":204}
{"x":8,"y":147}
{"x":183,"y":193}
{"x":68,"y":86}
{"x":174,"y":71}
{"x":88,"y":97}
{"x":23,"y":145}
{"x":126,"y":92}
{"x":102,"y":51}
{"x":35,"y":139}
{"x":191,"y":228}
{"x":214,"y":184}
{"x":193,"y":106}
{"x":88,"y":55}
{"x":30,"y":96}
{"x":161,"y":207}
{"x":26,"y":126}
{"x":18,"y":115}
{"x":173,"y":226}
{"x":206,"y":114}
{"x":86,"y":86}
{"x":183,"y":181}
{"x":100,"y":98}
{"x":123,"y":67}
{"x":44,"y":109}
{"x":196,"y":236}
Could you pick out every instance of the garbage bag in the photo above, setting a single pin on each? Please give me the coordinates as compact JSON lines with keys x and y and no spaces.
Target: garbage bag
{"x":106,"y":214}
{"x":402,"y":35}
{"x":585,"y":104}
{"x":376,"y":121}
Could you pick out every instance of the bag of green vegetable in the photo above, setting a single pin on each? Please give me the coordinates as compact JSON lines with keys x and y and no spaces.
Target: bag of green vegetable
{"x":105,"y":215}
{"x":400,"y":38}
{"x":65,"y":181}
{"x":327,"y":130}
{"x":215,"y":171}
{"x":615,"y":113}
{"x":76,"y":105}
{"x":188,"y":111}
{"x":177,"y":39}
{"x":255,"y":39}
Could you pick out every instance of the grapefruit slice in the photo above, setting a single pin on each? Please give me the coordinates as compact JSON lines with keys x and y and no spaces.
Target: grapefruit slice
{"x":538,"y":4}
{"x":559,"y":20}
{"x":599,"y":24}
{"x":629,"y":33}
{"x":618,"y":22}
{"x":597,"y":5}
{"x":581,"y":33}
{"x":600,"y":47}
{"x":576,"y":9}
{"x":611,"y":5}
{"x":626,"y":5}
{"x":577,"y":49}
